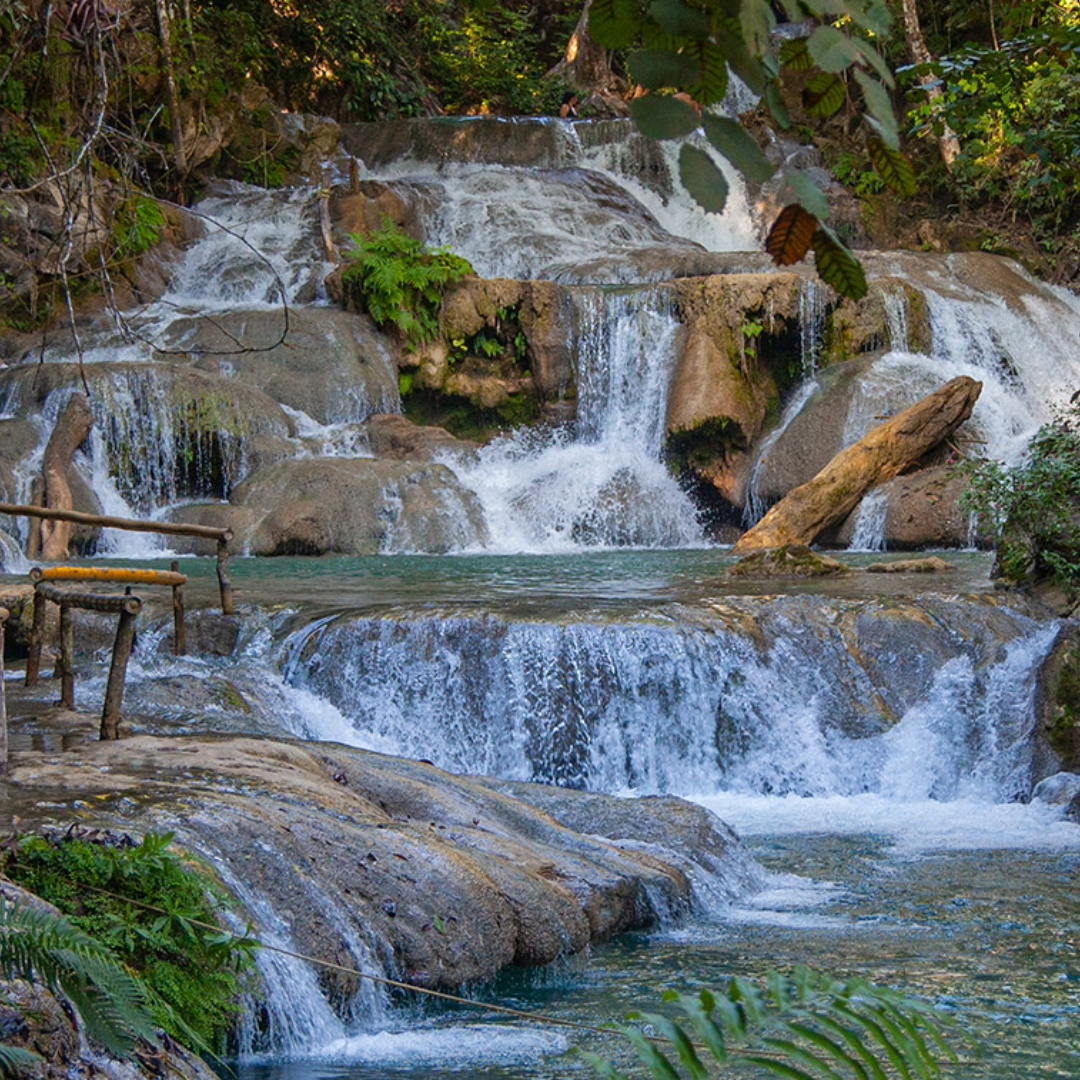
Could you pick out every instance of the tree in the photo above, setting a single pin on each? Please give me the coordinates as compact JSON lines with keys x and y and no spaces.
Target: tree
{"x":920,"y":55}
{"x":685,"y":49}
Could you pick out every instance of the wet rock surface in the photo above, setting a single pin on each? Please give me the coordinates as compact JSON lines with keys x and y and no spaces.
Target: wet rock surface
{"x":445,"y":878}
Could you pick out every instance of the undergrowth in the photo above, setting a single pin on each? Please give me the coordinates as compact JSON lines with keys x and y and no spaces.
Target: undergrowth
{"x":401,"y":282}
{"x":145,"y":903}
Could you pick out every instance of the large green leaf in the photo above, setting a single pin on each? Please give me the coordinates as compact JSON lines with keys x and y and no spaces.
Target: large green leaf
{"x":713,"y":82}
{"x":831,"y":49}
{"x":757,"y":22}
{"x":747,"y":66}
{"x":875,"y":60}
{"x":700,"y":176}
{"x":679,"y":19}
{"x":807,"y":194}
{"x":871,"y":15}
{"x":892,"y":166}
{"x":661,"y":117}
{"x":614,"y":23}
{"x":655,"y":69}
{"x":836,"y":266}
{"x":739,"y":147}
{"x":775,"y":100}
{"x":824,"y":94}
{"x":879,"y":105}
{"x":668,"y":1029}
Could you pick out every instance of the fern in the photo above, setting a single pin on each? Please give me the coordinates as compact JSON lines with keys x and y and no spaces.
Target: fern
{"x":400,"y":281}
{"x":42,"y":946}
{"x":803,"y":1027}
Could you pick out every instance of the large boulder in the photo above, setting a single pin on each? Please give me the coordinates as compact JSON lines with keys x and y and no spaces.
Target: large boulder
{"x":886,"y":451}
{"x":359,"y":507}
{"x":391,"y":436}
{"x":448,"y":878}
{"x":332,"y":365}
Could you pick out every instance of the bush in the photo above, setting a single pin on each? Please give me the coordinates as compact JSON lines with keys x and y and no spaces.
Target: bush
{"x":144,"y":902}
{"x":401,"y":282}
{"x":1032,"y":511}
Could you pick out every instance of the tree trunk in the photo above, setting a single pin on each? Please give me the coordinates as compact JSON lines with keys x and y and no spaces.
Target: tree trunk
{"x":71,"y":429}
{"x":919,"y":54}
{"x":176,"y":122}
{"x":881,"y":454}
{"x":585,"y":64}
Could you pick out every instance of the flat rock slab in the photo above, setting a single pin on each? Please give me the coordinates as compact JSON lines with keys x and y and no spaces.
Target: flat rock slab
{"x":930,"y":565}
{"x":446,"y":879}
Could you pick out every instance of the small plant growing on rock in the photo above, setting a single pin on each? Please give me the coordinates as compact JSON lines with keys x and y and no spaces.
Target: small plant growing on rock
{"x":401,"y":282}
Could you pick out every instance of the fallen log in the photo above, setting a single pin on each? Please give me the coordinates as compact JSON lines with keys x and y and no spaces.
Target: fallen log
{"x":884,"y":452}
{"x":72,"y":427}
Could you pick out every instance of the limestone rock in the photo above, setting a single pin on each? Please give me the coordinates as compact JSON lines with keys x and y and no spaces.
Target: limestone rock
{"x":450,"y":878}
{"x":931,"y":565}
{"x":391,"y":436}
{"x":1057,"y":706}
{"x":359,"y":507}
{"x":885,"y":452}
{"x":791,"y":560}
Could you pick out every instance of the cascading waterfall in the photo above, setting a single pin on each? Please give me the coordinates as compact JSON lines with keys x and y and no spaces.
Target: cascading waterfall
{"x":870,"y":518}
{"x":605,"y":486}
{"x":764,"y":695}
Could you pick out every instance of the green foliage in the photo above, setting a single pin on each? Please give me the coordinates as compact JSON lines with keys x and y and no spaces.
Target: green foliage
{"x":191,"y":974}
{"x":1016,"y":113}
{"x":137,"y":227}
{"x":801,"y":1027}
{"x":41,"y":946}
{"x":689,"y":45}
{"x":1032,"y":511}
{"x":400,"y":281}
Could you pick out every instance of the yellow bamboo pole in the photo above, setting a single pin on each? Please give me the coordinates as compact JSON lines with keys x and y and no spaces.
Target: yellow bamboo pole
{"x":117,"y":576}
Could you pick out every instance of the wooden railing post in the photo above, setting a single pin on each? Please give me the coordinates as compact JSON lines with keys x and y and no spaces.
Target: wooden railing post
{"x":223,"y":575}
{"x":65,"y":662}
{"x":114,"y":691}
{"x":3,"y":697}
{"x":37,"y":639}
{"x":179,"y":633}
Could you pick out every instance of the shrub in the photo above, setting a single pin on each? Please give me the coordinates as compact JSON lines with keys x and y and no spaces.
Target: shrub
{"x":401,"y":282}
{"x":1032,"y":510}
{"x":145,"y":902}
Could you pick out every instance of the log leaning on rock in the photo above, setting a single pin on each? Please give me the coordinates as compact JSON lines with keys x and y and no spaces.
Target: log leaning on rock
{"x":884,"y":452}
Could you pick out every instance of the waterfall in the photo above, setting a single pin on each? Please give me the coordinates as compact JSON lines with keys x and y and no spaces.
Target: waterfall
{"x":605,"y":485}
{"x":769,"y":695}
{"x":870,"y":518}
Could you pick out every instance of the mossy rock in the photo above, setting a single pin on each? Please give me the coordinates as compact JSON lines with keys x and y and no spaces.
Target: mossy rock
{"x":1059,"y":703}
{"x":791,"y":560}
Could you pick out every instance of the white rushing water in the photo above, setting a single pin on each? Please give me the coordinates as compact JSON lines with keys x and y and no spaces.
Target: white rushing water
{"x":604,"y":485}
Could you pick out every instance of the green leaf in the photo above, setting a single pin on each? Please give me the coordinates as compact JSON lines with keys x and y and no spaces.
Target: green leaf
{"x":757,"y":22}
{"x":680,"y":20}
{"x":602,"y":1067}
{"x":712,"y":83}
{"x":14,"y":1060}
{"x":892,"y":167}
{"x":614,"y":23}
{"x":775,"y":100}
{"x":655,"y":69}
{"x":875,"y":60}
{"x":663,"y":117}
{"x":831,"y":49}
{"x":739,"y":147}
{"x":880,"y":106}
{"x":700,"y":176}
{"x":805,"y":1057}
{"x":678,"y":1038}
{"x":824,"y":95}
{"x":836,"y":266}
{"x":748,"y":67}
{"x":807,"y":194}
{"x":657,"y":1064}
{"x":697,"y":1010}
{"x":795,"y":55}
{"x":779,"y":1068}
{"x":832,"y":1048}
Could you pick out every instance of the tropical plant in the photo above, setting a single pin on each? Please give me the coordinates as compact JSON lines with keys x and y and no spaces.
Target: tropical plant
{"x":802,"y":1026}
{"x":1032,"y":510}
{"x":155,"y":909}
{"x":401,"y":282}
{"x":691,"y":46}
{"x":40,"y":945}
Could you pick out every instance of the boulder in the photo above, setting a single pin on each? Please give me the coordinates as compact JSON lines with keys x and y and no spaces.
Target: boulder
{"x":1057,"y":734}
{"x":359,"y":507}
{"x":447,"y":877}
{"x":931,"y":565}
{"x":791,"y":560}
{"x":923,"y":511}
{"x":332,"y":365}
{"x":391,"y":436}
{"x":886,"y":451}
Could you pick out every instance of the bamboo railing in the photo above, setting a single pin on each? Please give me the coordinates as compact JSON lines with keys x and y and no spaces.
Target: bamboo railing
{"x":162,"y":528}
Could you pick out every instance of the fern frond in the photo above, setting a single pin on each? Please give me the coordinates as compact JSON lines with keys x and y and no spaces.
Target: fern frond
{"x":13,"y":1060}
